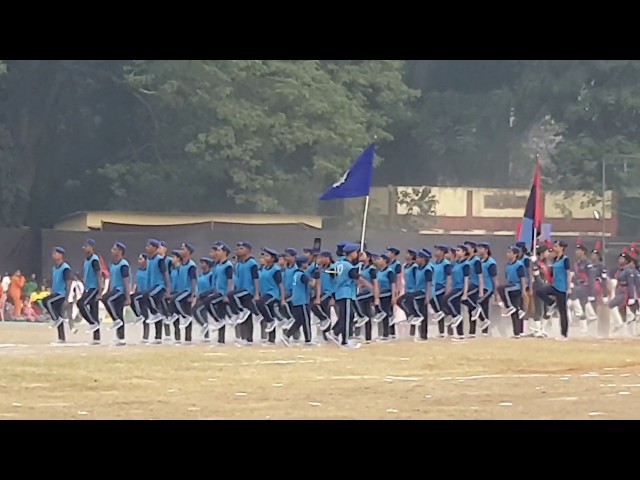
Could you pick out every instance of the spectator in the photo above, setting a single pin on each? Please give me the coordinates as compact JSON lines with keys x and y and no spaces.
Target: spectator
{"x":31,"y":286}
{"x":36,"y":297}
{"x":15,"y":292}
{"x":4,"y":288}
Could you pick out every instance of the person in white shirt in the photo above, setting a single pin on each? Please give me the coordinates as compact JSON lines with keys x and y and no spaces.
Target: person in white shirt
{"x":77,"y":289}
{"x":6,"y":282}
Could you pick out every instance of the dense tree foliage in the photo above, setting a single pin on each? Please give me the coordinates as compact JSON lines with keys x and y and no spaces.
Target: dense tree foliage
{"x":269,"y":135}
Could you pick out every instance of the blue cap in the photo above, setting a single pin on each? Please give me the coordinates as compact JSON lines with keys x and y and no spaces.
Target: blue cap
{"x":176,"y":253}
{"x":188,"y":246}
{"x":425,"y":253}
{"x":301,"y":260}
{"x":412,"y":251}
{"x":91,"y":242}
{"x":206,"y":260}
{"x":121,"y":246}
{"x":291,"y":251}
{"x":442,"y":248}
{"x":310,"y":250}
{"x":325,"y":253}
{"x":350,"y":248}
{"x":223,"y":246}
{"x":393,"y":250}
{"x":562,"y":243}
{"x":153,"y":242}
{"x":163,"y":243}
{"x":486,"y":245}
{"x":464,"y":248}
{"x":341,"y":244}
{"x":246,"y":245}
{"x":471,"y":244}
{"x":59,"y":250}
{"x":270,"y":251}
{"x":452,"y":250}
{"x":386,"y":257}
{"x":515,"y":249}
{"x":521,"y":244}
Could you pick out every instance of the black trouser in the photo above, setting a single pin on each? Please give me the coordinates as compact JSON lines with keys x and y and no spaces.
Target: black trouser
{"x":242,"y":300}
{"x":219,"y":310}
{"x":548,"y":291}
{"x":471,"y":303}
{"x":453,"y":307}
{"x":266,"y":306}
{"x":387,"y":308}
{"x":323,"y":311}
{"x":155,"y":304}
{"x":184,"y":308}
{"x":511,"y":296}
{"x":89,"y":308}
{"x":364,"y":307}
{"x":201,"y":311}
{"x":344,"y":310}
{"x":114,"y":303}
{"x":415,"y":304}
{"x":301,"y":319}
{"x":539,"y":305}
{"x":54,"y":304}
{"x":439,"y":305}
{"x":483,"y":303}
{"x":172,"y":309}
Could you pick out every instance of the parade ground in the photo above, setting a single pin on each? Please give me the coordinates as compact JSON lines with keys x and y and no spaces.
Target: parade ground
{"x":494,"y":378}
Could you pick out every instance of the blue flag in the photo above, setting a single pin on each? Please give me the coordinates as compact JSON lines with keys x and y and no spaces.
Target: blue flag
{"x":356,"y":182}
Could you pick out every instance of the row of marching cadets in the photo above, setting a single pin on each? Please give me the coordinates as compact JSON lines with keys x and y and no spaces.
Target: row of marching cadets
{"x":589,"y":289}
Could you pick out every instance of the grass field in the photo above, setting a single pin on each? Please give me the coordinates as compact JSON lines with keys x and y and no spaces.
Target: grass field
{"x":477,"y":379}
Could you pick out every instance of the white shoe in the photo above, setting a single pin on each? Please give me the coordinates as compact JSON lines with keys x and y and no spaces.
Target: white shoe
{"x":351,"y":345}
{"x":509,"y":312}
{"x":483,"y":324}
{"x":521,"y":314}
{"x":417,"y":321}
{"x":116,"y":325}
{"x":93,"y":327}
{"x":185,"y":322}
{"x":270,"y":327}
{"x":476,"y":314}
{"x":324,"y":324}
{"x":285,"y":341}
{"x":378,"y":317}
{"x":244,"y":315}
{"x":362,"y":321}
{"x":332,"y":338}
{"x":456,"y":321}
{"x":437,"y":317}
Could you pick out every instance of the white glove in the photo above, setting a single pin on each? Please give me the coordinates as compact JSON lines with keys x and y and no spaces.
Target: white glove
{"x":631,"y":301}
{"x":534,"y":258}
{"x":605,"y":301}
{"x":592,"y":299}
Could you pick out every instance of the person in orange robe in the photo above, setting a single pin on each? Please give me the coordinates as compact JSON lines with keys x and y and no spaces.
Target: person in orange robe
{"x":15,"y":292}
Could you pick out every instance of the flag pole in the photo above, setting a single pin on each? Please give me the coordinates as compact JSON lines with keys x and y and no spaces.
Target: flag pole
{"x":364,"y":223}
{"x":538,"y":206}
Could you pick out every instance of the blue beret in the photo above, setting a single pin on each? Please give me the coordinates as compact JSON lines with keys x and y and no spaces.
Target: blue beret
{"x":471,"y":244}
{"x":176,"y":253}
{"x":291,"y":251}
{"x":462,"y":247}
{"x":484,"y":245}
{"x":59,"y":250}
{"x":225,"y":247}
{"x":270,"y":251}
{"x":393,"y":250}
{"x":91,"y":242}
{"x":386,"y":257}
{"x":310,"y":250}
{"x":188,"y":246}
{"x":412,"y":251}
{"x":341,"y":244}
{"x":163,"y":243}
{"x":325,"y":253}
{"x":424,"y":253}
{"x":153,"y":242}
{"x":301,"y":260}
{"x":350,"y":248}
{"x":521,"y":244}
{"x":244,"y":245}
{"x":121,"y":246}
{"x":562,"y":243}
{"x":515,"y":249}
{"x":442,"y":248}
{"x":206,"y":260}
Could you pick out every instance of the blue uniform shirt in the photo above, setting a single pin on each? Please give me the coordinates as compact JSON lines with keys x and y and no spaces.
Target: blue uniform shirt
{"x":441,"y":270}
{"x":287,"y":275}
{"x":489,"y":273}
{"x":514,"y":273}
{"x":475,"y":270}
{"x":424,"y":276}
{"x":58,"y":281}
{"x":117,"y":273}
{"x":270,"y":280}
{"x":300,"y":288}
{"x":328,"y":280}
{"x":141,"y":279}
{"x":459,"y":272}
{"x":246,"y":273}
{"x":346,"y":280}
{"x":223,"y":272}
{"x":205,"y":282}
{"x":410,"y":277}
{"x":186,"y":273}
{"x":90,"y":275}
{"x":386,"y":278}
{"x":561,"y":268}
